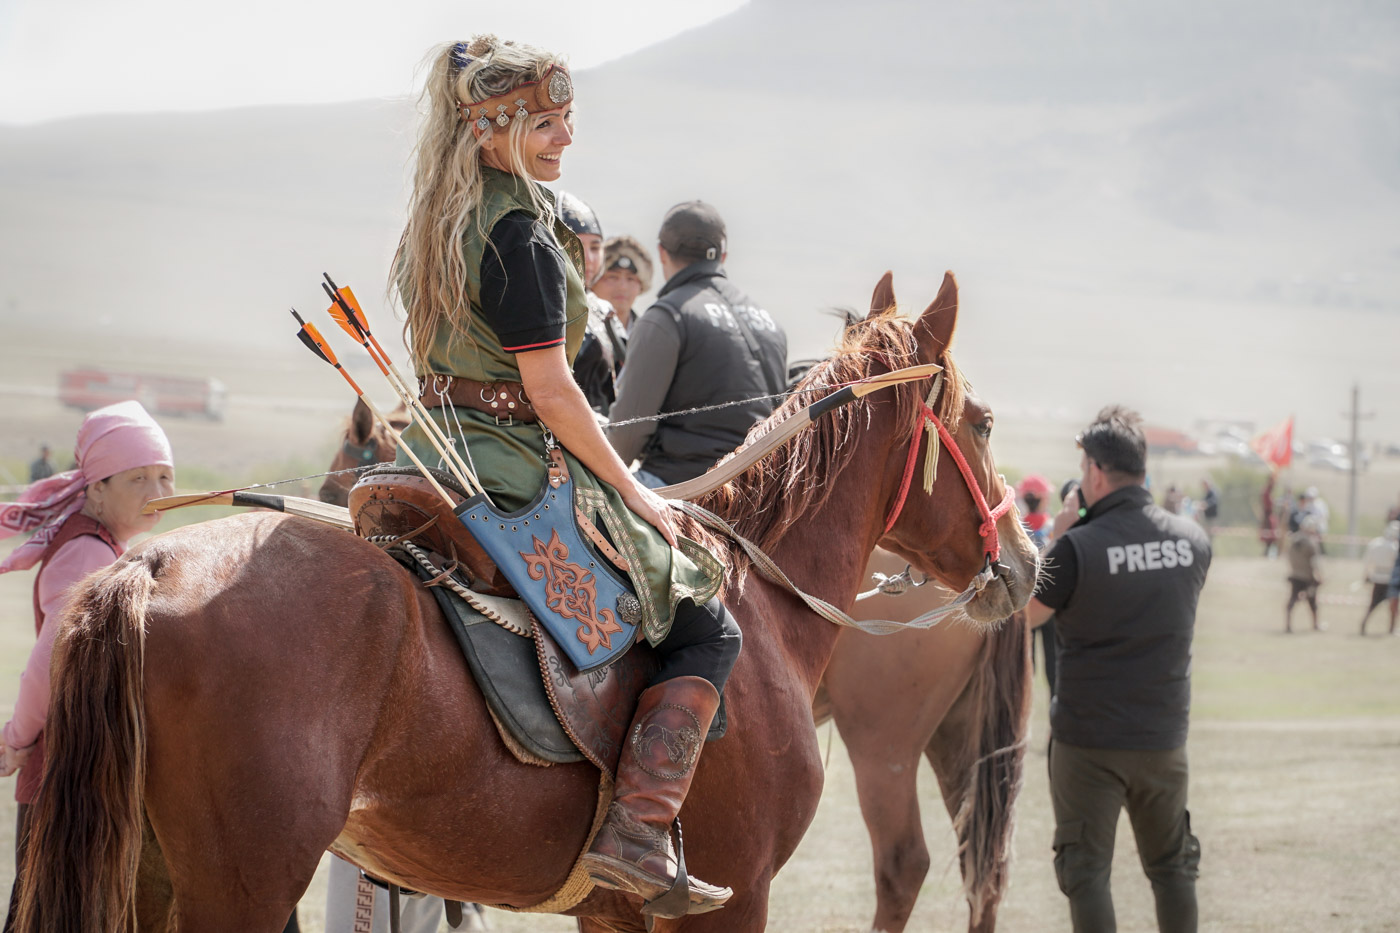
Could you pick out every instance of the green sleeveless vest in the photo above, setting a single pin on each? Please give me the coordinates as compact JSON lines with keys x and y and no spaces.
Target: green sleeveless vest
{"x":510,"y":459}
{"x":478,"y":354}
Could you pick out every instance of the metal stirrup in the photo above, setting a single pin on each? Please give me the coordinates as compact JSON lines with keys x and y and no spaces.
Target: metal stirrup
{"x":676,"y":901}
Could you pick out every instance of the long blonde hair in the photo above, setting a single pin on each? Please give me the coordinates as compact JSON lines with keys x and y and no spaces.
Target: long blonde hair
{"x":429,"y":272}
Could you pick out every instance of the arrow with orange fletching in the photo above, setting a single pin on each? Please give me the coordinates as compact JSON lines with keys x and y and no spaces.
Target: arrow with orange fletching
{"x":345,"y":310}
{"x":309,"y":335}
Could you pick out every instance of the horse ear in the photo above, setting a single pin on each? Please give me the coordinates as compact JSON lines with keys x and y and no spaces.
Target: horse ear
{"x":361,"y":423}
{"x":935,"y":327}
{"x":883,"y":299}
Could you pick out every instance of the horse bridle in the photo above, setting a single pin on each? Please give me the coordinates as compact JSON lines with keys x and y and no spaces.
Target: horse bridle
{"x":991,"y":547}
{"x":991,"y":542}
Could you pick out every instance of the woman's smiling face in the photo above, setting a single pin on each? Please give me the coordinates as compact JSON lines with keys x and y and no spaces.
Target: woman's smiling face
{"x":550,"y":133}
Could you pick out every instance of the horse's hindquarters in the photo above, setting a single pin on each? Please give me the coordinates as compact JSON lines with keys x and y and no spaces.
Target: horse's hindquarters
{"x":300,"y":687}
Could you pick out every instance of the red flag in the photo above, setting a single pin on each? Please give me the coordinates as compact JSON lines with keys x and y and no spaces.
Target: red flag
{"x":1275,"y":446}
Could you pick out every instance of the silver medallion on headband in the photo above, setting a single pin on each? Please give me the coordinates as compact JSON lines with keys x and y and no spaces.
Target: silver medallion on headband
{"x":561,"y":89}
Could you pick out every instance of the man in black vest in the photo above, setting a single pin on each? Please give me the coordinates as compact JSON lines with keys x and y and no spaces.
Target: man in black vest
{"x":702,"y":343}
{"x":1122,"y":580}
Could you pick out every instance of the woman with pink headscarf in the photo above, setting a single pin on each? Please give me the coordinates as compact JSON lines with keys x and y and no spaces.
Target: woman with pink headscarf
{"x":82,"y":521}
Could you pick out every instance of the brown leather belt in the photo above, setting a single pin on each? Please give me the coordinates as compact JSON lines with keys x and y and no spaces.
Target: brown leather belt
{"x":506,"y":400}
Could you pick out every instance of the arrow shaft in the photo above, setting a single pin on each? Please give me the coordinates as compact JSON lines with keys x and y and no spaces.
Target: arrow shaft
{"x":435,"y":435}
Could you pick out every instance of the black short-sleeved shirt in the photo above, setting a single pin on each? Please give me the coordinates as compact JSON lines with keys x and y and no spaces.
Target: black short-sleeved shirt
{"x":1056,"y":584}
{"x":523,"y":284}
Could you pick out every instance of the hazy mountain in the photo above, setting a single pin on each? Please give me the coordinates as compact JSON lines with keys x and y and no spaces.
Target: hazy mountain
{"x":1172,"y":205}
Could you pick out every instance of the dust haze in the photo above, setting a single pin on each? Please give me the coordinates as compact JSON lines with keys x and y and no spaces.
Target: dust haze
{"x":1192,"y":208}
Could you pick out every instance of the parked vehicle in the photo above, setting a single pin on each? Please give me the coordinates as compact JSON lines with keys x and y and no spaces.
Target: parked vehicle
{"x":87,"y":389}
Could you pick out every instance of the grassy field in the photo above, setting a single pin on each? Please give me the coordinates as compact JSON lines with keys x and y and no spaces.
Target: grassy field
{"x":1295,"y":747}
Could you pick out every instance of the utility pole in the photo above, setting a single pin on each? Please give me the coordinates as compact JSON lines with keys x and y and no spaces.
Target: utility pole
{"x":1355,"y":415}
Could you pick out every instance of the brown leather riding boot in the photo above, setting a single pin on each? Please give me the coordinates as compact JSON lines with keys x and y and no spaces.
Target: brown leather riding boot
{"x":632,"y":851}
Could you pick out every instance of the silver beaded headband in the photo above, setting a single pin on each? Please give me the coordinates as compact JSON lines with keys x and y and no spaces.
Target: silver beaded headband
{"x":554,"y":90}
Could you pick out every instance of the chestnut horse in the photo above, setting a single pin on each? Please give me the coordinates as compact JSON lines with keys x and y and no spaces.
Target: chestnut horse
{"x":952,"y":693}
{"x":956,"y":695}
{"x":251,"y":691}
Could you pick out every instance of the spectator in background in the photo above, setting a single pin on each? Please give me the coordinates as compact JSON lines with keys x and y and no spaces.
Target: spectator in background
{"x":41,"y":468}
{"x":1033,"y":491}
{"x":1172,"y":499}
{"x":1268,"y":519}
{"x":1394,"y":593}
{"x":604,"y":342}
{"x":1297,"y":511}
{"x":1210,"y":506}
{"x":626,"y":277}
{"x":1304,"y":571}
{"x":1380,"y":561}
{"x":703,"y":343}
{"x":82,"y":521}
{"x":1315,"y":505}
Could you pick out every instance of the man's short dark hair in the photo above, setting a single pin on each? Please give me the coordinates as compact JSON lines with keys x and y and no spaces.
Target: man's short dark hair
{"x":693,"y":231}
{"x":1116,"y":443}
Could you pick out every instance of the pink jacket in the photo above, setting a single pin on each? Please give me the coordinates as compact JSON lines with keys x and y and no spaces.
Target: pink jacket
{"x":72,"y":560}
{"x":75,"y":560}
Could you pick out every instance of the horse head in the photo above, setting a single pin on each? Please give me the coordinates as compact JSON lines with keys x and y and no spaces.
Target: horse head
{"x":365,"y":443}
{"x":878,"y":446}
{"x":943,"y":513}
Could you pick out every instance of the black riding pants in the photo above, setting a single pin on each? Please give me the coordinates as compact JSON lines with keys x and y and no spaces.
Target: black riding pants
{"x":704,"y":641}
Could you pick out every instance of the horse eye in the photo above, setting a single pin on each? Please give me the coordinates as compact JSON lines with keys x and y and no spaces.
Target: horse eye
{"x":984,"y":429}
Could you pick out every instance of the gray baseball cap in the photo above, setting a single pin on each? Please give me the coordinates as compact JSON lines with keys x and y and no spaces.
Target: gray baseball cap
{"x":693,"y":230}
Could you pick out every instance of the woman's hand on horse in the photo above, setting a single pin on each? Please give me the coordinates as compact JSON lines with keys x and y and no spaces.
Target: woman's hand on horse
{"x":651,"y":507}
{"x":14,"y":759}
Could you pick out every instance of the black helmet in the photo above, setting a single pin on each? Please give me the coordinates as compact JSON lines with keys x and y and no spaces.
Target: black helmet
{"x":577,"y":216}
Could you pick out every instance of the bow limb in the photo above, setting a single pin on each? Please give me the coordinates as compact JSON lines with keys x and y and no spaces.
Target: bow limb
{"x":315,"y":509}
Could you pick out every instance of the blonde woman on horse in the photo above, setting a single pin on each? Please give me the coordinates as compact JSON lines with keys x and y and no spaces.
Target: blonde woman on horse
{"x":491,"y":280}
{"x":81,"y":521}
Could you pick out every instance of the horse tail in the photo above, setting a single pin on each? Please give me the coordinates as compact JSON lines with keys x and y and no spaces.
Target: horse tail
{"x":995,"y":710}
{"x":84,"y":846}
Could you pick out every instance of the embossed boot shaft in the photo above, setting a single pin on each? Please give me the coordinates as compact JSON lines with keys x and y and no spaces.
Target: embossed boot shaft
{"x":632,"y":851}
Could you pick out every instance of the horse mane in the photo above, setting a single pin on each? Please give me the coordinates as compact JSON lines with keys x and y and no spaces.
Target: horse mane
{"x":763,"y":502}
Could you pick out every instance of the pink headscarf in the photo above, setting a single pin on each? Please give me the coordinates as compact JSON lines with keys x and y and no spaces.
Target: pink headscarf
{"x":111,"y":440}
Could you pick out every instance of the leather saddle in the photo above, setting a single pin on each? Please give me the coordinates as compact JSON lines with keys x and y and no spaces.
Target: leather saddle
{"x":536,"y":694}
